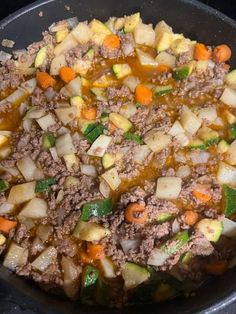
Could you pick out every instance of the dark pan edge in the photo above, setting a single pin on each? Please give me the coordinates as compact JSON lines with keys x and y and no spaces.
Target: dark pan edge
{"x":225,"y":300}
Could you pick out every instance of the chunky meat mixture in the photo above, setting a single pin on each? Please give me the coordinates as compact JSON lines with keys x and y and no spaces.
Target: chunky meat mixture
{"x":117,"y":161}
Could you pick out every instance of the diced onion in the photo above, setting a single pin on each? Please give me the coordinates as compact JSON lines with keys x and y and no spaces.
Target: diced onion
{"x":199,"y":157}
{"x":108,"y":267}
{"x":64,"y":145}
{"x":168,"y":187}
{"x":128,"y":245}
{"x":89,"y":170}
{"x":131,"y":82}
{"x":46,"y":121}
{"x":175,"y":226}
{"x":53,"y":152}
{"x":183,"y":171}
{"x":157,"y":257}
{"x":46,"y":258}
{"x":226,"y":174}
{"x":36,"y":208}
{"x":229,"y":228}
{"x":27,"y":124}
{"x":27,"y":168}
{"x":111,"y":177}
{"x":44,"y":232}
{"x":104,"y":188}
{"x":141,"y":153}
{"x":21,"y":193}
{"x":6,"y":208}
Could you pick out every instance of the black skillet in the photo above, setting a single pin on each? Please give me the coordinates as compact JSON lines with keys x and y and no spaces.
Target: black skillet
{"x":189,"y":17}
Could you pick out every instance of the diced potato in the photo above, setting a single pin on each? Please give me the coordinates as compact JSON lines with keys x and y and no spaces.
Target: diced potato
{"x":90,"y":231}
{"x":74,"y":87}
{"x":128,"y":110}
{"x":119,"y":23}
{"x":222,"y":147}
{"x":82,"y":66}
{"x":66,"y":115}
{"x":231,"y":79}
{"x":166,"y":58}
{"x":29,"y":85}
{"x":21,"y":193}
{"x":229,"y":116}
{"x":231,"y":153}
{"x":67,"y":44}
{"x":120,"y":122}
{"x":72,"y":162}
{"x":131,"y":82}
{"x":57,"y":63}
{"x":111,"y":176}
{"x":78,"y":103}
{"x":209,"y":114}
{"x":98,"y":27}
{"x":229,"y":97}
{"x":144,"y":35}
{"x":141,"y":153}
{"x":168,"y":187}
{"x":161,"y":28}
{"x":145,"y":58}
{"x":182,"y":139}
{"x":46,"y":121}
{"x":157,"y":140}
{"x":46,"y":258}
{"x":99,"y":146}
{"x":41,"y":56}
{"x":36,"y":208}
{"x":27,"y":167}
{"x":2,"y":239}
{"x":201,"y":66}
{"x":190,"y":122}
{"x":82,"y":33}
{"x":176,"y":129}
{"x":226,"y":174}
{"x":64,"y":145}
{"x":166,"y":39}
{"x":16,"y":256}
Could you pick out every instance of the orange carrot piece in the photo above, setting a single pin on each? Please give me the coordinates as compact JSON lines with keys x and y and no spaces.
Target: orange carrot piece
{"x":201,"y":52}
{"x":143,"y":95}
{"x":45,"y":80}
{"x":111,"y":127}
{"x":222,"y":53}
{"x":191,"y":217}
{"x":67,"y":74}
{"x":84,"y":257}
{"x":217,"y":268}
{"x":112,"y":41}
{"x":162,"y":68}
{"x":89,"y":113}
{"x":95,"y":251}
{"x":6,"y":225}
{"x":136,"y":213}
{"x":202,"y":196}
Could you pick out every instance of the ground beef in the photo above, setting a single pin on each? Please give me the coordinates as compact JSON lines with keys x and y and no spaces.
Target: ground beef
{"x":76,"y":53}
{"x":184,"y":57}
{"x":119,"y":92}
{"x":9,"y":76}
{"x":127,"y":44}
{"x":22,"y":236}
{"x":67,"y":247}
{"x":200,"y":245}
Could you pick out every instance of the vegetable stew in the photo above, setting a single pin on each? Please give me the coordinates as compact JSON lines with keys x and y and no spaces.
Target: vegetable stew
{"x":117,"y":161}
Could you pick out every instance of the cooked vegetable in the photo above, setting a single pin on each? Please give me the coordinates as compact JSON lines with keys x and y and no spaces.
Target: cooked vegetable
{"x":120,"y":122}
{"x":229,"y":200}
{"x":189,"y":120}
{"x":191,"y":217}
{"x":16,"y":256}
{"x":89,"y":170}
{"x":144,"y":35}
{"x":141,"y":153}
{"x":229,"y":228}
{"x":73,"y":88}
{"x":43,"y":185}
{"x":64,"y":145}
{"x":166,"y":59}
{"x":21,"y":193}
{"x":133,"y":137}
{"x":67,"y":74}
{"x":71,"y":274}
{"x":210,"y":228}
{"x":90,"y":231}
{"x":46,"y":258}
{"x":231,"y":78}
{"x":41,"y":56}
{"x":105,"y":80}
{"x":145,"y":58}
{"x":112,"y":41}
{"x":163,"y":217}
{"x":201,"y":52}
{"x":95,"y":251}
{"x":168,"y":187}
{"x":226,"y":174}
{"x":229,"y":97}
{"x":134,"y":275}
{"x":99,"y":146}
{"x":93,"y":131}
{"x":131,"y":82}
{"x":201,"y":193}
{"x":157,"y":140}
{"x":49,"y":140}
{"x":217,"y":268}
{"x":157,"y":257}
{"x":232,"y":131}
{"x":88,"y":282}
{"x":182,"y":72}
{"x":197,"y":144}
{"x":99,"y":93}
{"x":46,"y":121}
{"x":45,"y":80}
{"x":179,"y":240}
{"x":28,"y":169}
{"x":112,"y":178}
{"x":143,"y":95}
{"x":97,"y":208}
{"x":36,"y":208}
{"x":6,"y":225}
{"x":163,"y":90}
{"x":222,"y":147}
{"x":4,"y":185}
{"x":82,"y":33}
{"x":107,"y":267}
{"x":136,"y":213}
{"x":222,"y":53}
{"x":121,"y":70}
{"x":131,"y":22}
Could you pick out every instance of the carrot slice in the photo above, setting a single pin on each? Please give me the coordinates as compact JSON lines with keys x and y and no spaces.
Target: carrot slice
{"x":84,"y":257}
{"x":202,"y":196}
{"x":45,"y":80}
{"x":95,"y":251}
{"x":217,"y":268}
{"x":201,"y":52}
{"x":162,"y":68}
{"x":89,"y":113}
{"x":191,"y":217}
{"x":111,"y":127}
{"x":136,"y":213}
{"x":67,"y":74}
{"x":6,"y":225}
{"x":143,"y":95}
{"x":112,"y":41}
{"x":222,"y":53}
